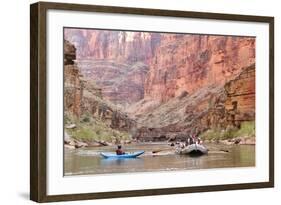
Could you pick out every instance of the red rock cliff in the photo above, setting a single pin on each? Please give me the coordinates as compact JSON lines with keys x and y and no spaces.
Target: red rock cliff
{"x":116,"y":61}
{"x":185,"y":63}
{"x":119,"y":46}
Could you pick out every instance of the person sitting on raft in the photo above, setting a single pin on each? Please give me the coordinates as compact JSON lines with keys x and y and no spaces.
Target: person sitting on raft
{"x":119,"y":150}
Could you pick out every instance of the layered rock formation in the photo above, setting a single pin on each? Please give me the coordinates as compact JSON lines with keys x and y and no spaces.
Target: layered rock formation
{"x":185,"y":63}
{"x":105,"y":111}
{"x":178,"y":117}
{"x":82,"y":97}
{"x":115,"y":60}
{"x":241,"y":96}
{"x":119,"y":46}
{"x":121,"y":83}
{"x":207,"y":108}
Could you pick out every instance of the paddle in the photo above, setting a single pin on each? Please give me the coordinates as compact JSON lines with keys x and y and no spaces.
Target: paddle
{"x":160,"y":150}
{"x":220,"y":151}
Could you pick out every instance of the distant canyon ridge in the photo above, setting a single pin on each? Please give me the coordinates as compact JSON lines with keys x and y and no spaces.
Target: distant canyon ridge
{"x":164,"y":85}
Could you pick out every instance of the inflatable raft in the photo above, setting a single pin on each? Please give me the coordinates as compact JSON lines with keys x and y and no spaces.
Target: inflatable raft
{"x":193,"y":149}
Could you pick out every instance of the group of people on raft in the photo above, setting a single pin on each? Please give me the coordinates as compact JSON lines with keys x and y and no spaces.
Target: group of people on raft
{"x":192,"y":139}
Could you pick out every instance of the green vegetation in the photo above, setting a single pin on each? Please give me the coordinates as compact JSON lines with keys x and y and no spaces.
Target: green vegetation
{"x":93,"y":129}
{"x":82,"y":133}
{"x":247,"y":129}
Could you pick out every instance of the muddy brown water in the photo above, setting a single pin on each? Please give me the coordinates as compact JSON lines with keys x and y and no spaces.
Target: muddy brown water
{"x":87,"y":161}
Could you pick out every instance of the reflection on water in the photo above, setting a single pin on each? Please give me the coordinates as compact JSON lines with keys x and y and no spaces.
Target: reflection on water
{"x":88,"y":160}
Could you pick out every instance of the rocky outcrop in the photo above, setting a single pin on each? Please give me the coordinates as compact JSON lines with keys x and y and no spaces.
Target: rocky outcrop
{"x":235,"y":105}
{"x":73,"y":85}
{"x":240,"y":92}
{"x":189,"y":62}
{"x":69,"y":53}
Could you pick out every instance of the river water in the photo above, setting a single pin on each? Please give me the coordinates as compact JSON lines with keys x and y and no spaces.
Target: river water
{"x":86,"y":161}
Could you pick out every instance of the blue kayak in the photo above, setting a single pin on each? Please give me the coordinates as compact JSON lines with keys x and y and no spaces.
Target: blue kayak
{"x":126,"y":155}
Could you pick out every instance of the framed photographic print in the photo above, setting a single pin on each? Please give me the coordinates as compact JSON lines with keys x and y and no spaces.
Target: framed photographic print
{"x":135,"y":102}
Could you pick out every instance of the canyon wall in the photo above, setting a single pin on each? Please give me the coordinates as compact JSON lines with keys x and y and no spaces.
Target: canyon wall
{"x":121,"y":83}
{"x":236,"y":104}
{"x":82,"y":97}
{"x":185,"y":63}
{"x":171,"y":84}
{"x":171,"y":63}
{"x":241,"y":96}
{"x":115,"y":45}
{"x":212,"y":107}
{"x":117,"y":61}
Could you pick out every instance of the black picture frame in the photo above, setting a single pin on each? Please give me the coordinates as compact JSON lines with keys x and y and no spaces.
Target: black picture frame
{"x":38,"y":101}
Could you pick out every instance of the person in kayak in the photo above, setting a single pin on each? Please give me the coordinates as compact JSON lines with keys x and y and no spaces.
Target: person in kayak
{"x":119,"y":150}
